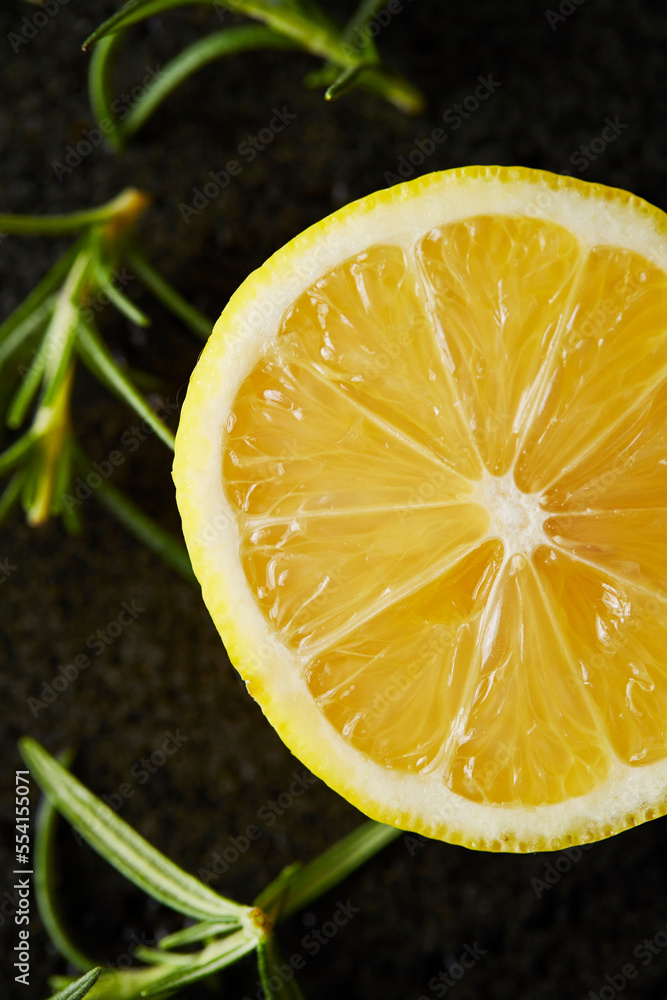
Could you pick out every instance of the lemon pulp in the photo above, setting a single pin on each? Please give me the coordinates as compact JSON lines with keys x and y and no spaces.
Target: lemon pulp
{"x":399,"y":463}
{"x":425,"y":494}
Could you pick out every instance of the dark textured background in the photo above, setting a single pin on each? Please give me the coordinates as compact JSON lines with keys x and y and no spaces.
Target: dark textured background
{"x":418,"y":904}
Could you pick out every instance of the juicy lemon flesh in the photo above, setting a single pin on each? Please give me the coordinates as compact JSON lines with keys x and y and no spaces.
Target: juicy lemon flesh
{"x":449,"y":475}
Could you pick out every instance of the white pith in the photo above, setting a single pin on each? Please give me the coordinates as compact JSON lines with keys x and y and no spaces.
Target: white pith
{"x":251,"y":320}
{"x":516,"y":518}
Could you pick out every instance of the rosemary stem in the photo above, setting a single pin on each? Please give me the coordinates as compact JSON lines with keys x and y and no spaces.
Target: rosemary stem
{"x":124,"y":208}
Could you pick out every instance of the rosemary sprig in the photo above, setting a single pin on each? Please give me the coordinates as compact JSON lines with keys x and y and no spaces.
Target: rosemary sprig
{"x":227,"y":930}
{"x":350,"y":54}
{"x":41,"y":344}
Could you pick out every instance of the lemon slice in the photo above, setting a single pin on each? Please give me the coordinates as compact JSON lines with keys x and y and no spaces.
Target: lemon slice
{"x":422,"y":471}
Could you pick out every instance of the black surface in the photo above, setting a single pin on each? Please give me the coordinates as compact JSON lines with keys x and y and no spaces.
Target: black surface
{"x":420,"y":904}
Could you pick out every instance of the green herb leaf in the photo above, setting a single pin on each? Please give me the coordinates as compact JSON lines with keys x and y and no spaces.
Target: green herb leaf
{"x":340,"y":83}
{"x":193,"y":58}
{"x":213,"y":958}
{"x":331,"y":45}
{"x":271,"y":898}
{"x":52,"y":359}
{"x":62,"y":330}
{"x":121,"y":846}
{"x":155,"y":957}
{"x":25,"y":327}
{"x":11,"y":494}
{"x":358,"y":24}
{"x":197,"y":932}
{"x":80,"y":988}
{"x":269,"y":961}
{"x":42,"y":290}
{"x":62,"y":476}
{"x":320,"y":875}
{"x":321,"y":77}
{"x":344,"y":82}
{"x":52,"y":454}
{"x":73,"y":222}
{"x":117,"y":299}
{"x":28,"y":389}
{"x":58,"y":363}
{"x":100,"y":87}
{"x":298,"y":22}
{"x":125,"y":985}
{"x":141,"y":525}
{"x":44,"y":883}
{"x":99,"y":359}
{"x":16,"y":452}
{"x":67,"y":511}
{"x":162,"y":290}
{"x":132,"y":13}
